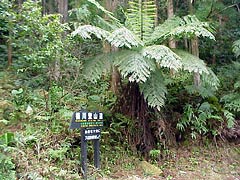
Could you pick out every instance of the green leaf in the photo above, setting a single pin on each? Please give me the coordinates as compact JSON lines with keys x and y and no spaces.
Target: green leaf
{"x":230,"y":118}
{"x":162,"y":31}
{"x":141,"y":17}
{"x":85,"y":31}
{"x":154,"y":90}
{"x":95,"y":67}
{"x":236,"y":48}
{"x":17,"y":92}
{"x":163,"y":56}
{"x":133,"y":65}
{"x":192,"y":63}
{"x":123,"y":37}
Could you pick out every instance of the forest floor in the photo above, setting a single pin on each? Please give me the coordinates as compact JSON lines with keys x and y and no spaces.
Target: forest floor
{"x":193,"y":162}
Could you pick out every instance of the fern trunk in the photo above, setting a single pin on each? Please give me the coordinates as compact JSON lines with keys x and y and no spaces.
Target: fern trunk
{"x":133,"y":105}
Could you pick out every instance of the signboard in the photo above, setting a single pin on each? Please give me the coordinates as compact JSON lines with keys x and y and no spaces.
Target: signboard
{"x":90,"y":124}
{"x":84,"y":119}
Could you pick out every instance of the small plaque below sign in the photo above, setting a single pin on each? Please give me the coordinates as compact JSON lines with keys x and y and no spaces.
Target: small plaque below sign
{"x":92,"y":137}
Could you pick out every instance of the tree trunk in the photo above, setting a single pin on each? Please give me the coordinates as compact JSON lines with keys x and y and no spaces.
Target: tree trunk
{"x":115,"y":75}
{"x":172,"y":42}
{"x":170,"y":12}
{"x":63,"y":10}
{"x":194,"y":48}
{"x":195,"y":51}
{"x":10,"y":51}
{"x":43,"y":7}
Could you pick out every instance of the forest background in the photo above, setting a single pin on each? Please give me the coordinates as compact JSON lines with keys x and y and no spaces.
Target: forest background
{"x":165,"y":73}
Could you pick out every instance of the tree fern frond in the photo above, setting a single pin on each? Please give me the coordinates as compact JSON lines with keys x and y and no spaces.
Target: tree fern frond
{"x":162,"y":31}
{"x":133,"y":65}
{"x":230,"y":118}
{"x":232,"y":101}
{"x":163,"y":56}
{"x":140,"y":17}
{"x":95,"y":67}
{"x":192,"y":63}
{"x":192,"y":27}
{"x":201,"y":90}
{"x":86,"y":31}
{"x":210,"y":79}
{"x":154,"y":90}
{"x":236,"y":48}
{"x":124,"y":37}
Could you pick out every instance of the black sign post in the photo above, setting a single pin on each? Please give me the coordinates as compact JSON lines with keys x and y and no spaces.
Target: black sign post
{"x":90,"y":124}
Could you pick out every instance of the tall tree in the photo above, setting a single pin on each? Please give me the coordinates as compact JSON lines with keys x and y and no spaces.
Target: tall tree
{"x":194,"y":47}
{"x":170,"y":12}
{"x":63,"y":9}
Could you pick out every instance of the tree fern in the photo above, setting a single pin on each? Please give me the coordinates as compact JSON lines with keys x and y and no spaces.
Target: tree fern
{"x":163,"y":56}
{"x":154,"y":90}
{"x":133,"y":65}
{"x":140,"y":17}
{"x":85,"y":31}
{"x":192,"y":63}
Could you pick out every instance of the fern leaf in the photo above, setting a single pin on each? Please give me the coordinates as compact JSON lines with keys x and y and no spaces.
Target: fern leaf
{"x":163,"y":56}
{"x":210,"y":79}
{"x":187,"y":27}
{"x":86,"y":31}
{"x":123,"y":37}
{"x":140,"y":17}
{"x":162,"y":31}
{"x":154,"y":90}
{"x":192,"y":27}
{"x":192,"y":63}
{"x":95,"y":67}
{"x":230,"y":118}
{"x":133,"y":65}
{"x":236,"y":48}
{"x":232,"y":101}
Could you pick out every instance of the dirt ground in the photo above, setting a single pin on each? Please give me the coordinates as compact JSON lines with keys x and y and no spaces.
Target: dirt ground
{"x":194,"y":162}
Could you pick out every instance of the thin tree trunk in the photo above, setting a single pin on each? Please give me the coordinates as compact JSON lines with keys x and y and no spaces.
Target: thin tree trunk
{"x":63,"y":9}
{"x":10,"y":52}
{"x":170,"y":12}
{"x":194,"y":48}
{"x":43,"y":7}
{"x":195,"y":51}
{"x":172,"y":42}
{"x":115,"y":75}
